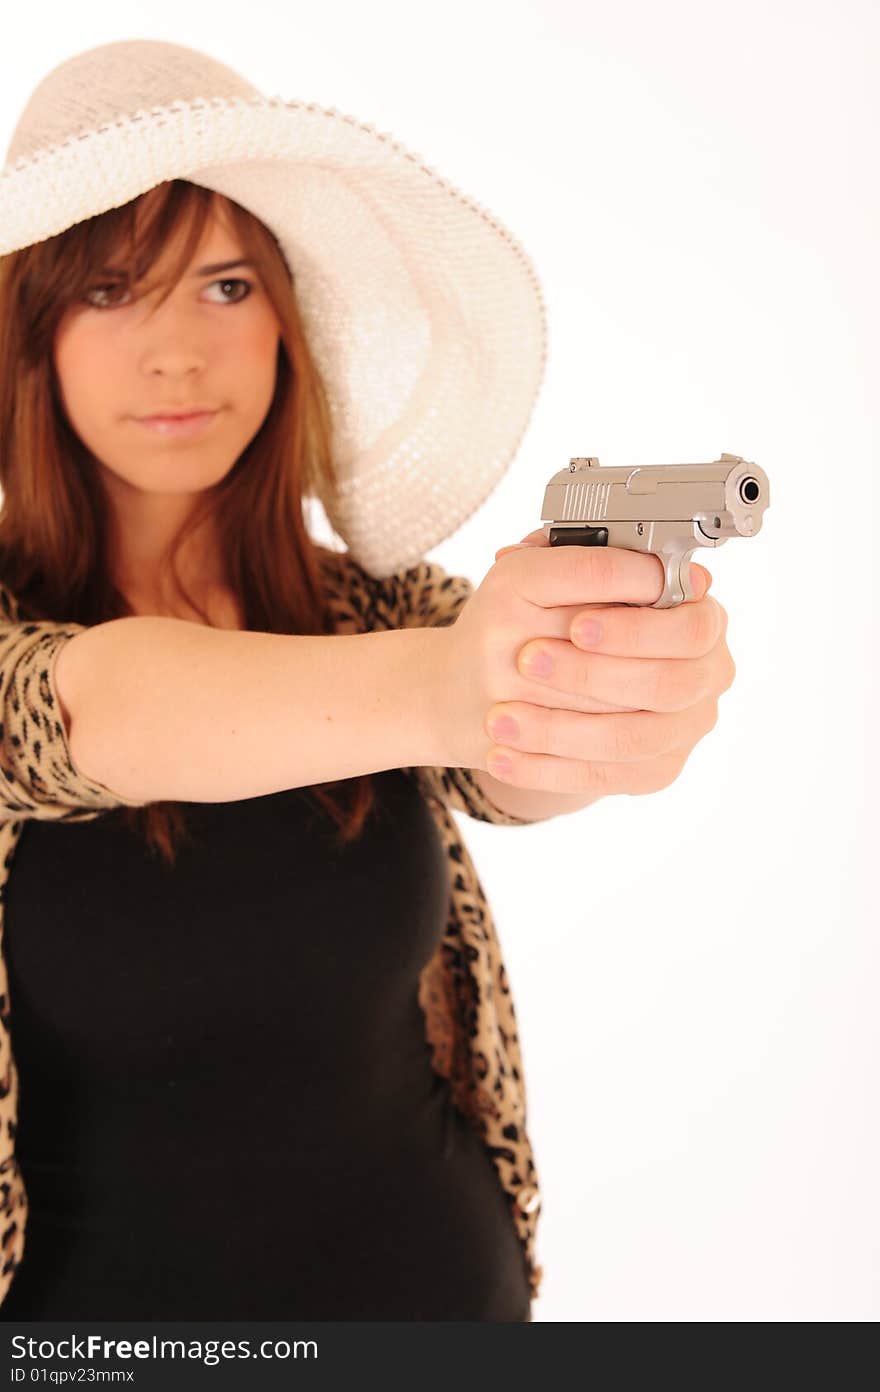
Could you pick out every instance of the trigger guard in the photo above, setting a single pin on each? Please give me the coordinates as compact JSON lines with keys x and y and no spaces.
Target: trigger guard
{"x":677,"y":588}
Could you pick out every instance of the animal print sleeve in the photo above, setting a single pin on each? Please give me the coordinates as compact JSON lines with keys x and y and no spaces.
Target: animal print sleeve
{"x":426,"y":596}
{"x":38,"y":777}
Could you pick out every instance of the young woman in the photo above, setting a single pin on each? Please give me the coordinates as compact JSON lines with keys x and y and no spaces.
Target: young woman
{"x":260,"y":1054}
{"x":258,"y":1050}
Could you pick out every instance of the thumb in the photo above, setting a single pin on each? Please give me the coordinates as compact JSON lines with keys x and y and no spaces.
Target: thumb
{"x":536,"y":538}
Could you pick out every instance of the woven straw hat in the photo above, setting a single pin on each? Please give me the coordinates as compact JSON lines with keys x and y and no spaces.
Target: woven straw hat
{"x":424,"y":314}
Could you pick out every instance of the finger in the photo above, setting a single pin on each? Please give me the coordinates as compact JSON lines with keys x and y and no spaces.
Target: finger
{"x":567,"y":734}
{"x":550,"y":576}
{"x":701,"y":578}
{"x":551,"y":775}
{"x":646,"y":684}
{"x":683,"y":630}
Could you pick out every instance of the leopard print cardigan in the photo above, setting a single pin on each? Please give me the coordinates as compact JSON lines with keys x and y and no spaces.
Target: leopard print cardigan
{"x":464,"y":991}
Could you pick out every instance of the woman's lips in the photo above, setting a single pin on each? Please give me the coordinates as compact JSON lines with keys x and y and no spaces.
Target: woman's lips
{"x":177,"y":425}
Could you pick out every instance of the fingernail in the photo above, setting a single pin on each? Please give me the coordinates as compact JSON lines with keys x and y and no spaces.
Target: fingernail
{"x":538,"y":664}
{"x":588,"y":632}
{"x":499,"y":766}
{"x":504,"y":727}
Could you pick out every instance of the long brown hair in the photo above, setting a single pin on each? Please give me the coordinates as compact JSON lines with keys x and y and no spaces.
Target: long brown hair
{"x":54,"y":519}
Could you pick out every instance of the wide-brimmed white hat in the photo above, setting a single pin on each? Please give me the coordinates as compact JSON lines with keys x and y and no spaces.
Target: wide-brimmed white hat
{"x":424,"y":314}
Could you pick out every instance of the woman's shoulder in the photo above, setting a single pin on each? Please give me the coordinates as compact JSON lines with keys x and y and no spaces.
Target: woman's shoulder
{"x":421,"y":595}
{"x":349,"y":579}
{"x":352,"y":595}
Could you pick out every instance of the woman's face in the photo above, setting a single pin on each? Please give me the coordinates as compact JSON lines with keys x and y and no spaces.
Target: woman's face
{"x":212,"y":344}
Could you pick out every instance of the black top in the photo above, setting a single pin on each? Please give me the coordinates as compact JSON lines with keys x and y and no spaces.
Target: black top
{"x":227,"y":1104}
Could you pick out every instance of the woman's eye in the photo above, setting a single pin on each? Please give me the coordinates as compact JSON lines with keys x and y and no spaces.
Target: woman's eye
{"x":233,"y":281}
{"x":97,"y":290}
{"x":116,"y":287}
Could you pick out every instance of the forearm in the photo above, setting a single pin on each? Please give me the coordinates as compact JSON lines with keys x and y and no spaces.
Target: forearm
{"x":163,"y":709}
{"x":529,"y":803}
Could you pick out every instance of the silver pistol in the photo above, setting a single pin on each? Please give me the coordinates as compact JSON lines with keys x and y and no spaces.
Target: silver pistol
{"x":669,"y":509}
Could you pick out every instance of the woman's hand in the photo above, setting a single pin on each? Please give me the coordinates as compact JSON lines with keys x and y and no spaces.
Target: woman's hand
{"x":619,"y":715}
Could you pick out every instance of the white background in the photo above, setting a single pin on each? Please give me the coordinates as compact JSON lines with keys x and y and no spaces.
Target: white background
{"x":695,"y":971}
